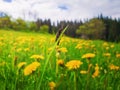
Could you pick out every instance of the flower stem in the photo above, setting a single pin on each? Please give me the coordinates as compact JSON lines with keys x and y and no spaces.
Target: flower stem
{"x":56,"y":68}
{"x":75,"y":81}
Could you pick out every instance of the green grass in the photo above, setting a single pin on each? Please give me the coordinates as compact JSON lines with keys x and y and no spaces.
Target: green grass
{"x":17,"y":47}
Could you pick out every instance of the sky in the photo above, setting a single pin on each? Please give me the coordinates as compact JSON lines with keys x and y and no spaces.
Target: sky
{"x":60,"y":9}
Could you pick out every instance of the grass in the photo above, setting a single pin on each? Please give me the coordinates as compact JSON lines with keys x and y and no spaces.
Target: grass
{"x":49,"y":66}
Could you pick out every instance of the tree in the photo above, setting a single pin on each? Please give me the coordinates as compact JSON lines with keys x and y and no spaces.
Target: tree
{"x":93,"y":29}
{"x":44,"y":29}
{"x":19,"y":24}
{"x":32,"y":26}
{"x":5,"y":22}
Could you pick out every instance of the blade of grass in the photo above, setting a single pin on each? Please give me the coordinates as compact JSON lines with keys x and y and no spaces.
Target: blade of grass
{"x":48,"y":57}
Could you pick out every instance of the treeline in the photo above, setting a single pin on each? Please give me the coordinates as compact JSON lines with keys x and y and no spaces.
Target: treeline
{"x":101,"y":27}
{"x":112,"y":28}
{"x":40,"y":25}
{"x":104,"y":28}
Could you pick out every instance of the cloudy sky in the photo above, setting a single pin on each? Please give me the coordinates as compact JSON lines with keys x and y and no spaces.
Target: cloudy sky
{"x":60,"y":9}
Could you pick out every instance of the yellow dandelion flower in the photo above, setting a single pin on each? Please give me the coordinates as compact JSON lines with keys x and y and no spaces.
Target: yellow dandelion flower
{"x":27,"y":70}
{"x":96,"y":73}
{"x":21,"y":64}
{"x":30,"y":68}
{"x":112,"y":46}
{"x":107,"y":54}
{"x":52,"y":85}
{"x":88,"y":55}
{"x":1,"y":38}
{"x":37,"y":57}
{"x":118,"y":55}
{"x":113,"y":67}
{"x":83,"y":72}
{"x":73,"y":64}
{"x":107,"y":48}
{"x":79,"y":46}
{"x":50,"y":49}
{"x":105,"y":44}
{"x":60,"y":62}
{"x":32,"y":38}
{"x":63,"y":49}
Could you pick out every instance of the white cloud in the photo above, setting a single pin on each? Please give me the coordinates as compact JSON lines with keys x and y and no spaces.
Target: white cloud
{"x":75,"y":9}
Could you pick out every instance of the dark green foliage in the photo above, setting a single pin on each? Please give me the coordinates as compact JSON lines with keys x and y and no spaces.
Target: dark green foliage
{"x":19,"y":24}
{"x":104,"y":28}
{"x":44,"y":29}
{"x":5,"y":22}
{"x":94,"y":29}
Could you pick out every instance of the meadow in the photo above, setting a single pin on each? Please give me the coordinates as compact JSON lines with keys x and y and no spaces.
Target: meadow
{"x":33,"y":61}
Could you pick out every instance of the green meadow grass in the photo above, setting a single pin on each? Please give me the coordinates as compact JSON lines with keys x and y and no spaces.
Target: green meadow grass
{"x":103,"y":70}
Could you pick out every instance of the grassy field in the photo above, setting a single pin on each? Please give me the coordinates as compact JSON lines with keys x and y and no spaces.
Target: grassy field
{"x":31,"y":61}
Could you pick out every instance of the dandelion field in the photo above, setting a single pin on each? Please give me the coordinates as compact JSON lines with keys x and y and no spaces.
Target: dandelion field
{"x":32,"y":61}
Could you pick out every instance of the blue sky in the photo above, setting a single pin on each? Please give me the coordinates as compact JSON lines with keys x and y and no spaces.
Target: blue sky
{"x":60,"y":9}
{"x":7,"y":1}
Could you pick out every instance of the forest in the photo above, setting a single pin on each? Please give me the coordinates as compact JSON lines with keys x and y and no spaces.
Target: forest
{"x":101,"y":27}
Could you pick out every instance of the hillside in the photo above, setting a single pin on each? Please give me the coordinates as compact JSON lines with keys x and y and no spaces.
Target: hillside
{"x":32,"y":61}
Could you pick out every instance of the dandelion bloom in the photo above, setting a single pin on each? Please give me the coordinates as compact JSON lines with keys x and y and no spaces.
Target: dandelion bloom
{"x":73,"y":64}
{"x":105,"y":44}
{"x":107,"y":54}
{"x":63,"y":49}
{"x":37,"y":57}
{"x":113,"y":67}
{"x":50,"y":49}
{"x":79,"y":46}
{"x":30,"y":68}
{"x":60,"y":62}
{"x":52,"y":85}
{"x":96,"y":73}
{"x":21,"y":64}
{"x":107,"y":48}
{"x":118,"y":55}
{"x":83,"y":72}
{"x":112,"y":46}
{"x":88,"y":55}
